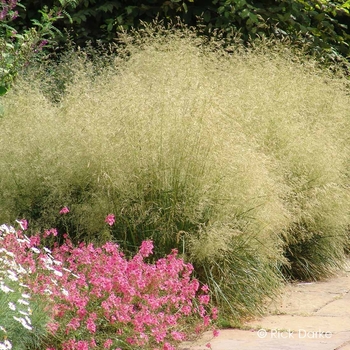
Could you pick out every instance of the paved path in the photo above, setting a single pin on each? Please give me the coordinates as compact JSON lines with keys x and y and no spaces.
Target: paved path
{"x":308,"y":316}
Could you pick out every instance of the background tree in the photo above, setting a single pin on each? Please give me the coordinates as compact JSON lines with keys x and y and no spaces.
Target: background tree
{"x":321,"y":24}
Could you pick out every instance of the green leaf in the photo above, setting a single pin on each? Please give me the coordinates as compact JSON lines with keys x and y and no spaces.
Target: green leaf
{"x":207,"y":16}
{"x":346,"y":5}
{"x":245,"y":13}
{"x":110,"y":26}
{"x":37,"y":23}
{"x":254,"y":18}
{"x":129,"y":9}
{"x":3,"y":91}
{"x":108,"y":7}
{"x":221,"y":9}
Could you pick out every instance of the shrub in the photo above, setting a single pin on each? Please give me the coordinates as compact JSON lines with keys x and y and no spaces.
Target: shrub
{"x":321,"y":24}
{"x":20,"y":48}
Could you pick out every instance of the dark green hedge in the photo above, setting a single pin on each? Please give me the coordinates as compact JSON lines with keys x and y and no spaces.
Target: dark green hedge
{"x":322,"y":24}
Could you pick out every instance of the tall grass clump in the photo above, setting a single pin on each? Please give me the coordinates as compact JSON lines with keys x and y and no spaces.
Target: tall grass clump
{"x":238,"y":160}
{"x":298,"y":115}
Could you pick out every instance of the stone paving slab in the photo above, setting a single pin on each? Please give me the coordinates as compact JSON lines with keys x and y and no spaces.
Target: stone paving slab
{"x":307,"y":298}
{"x":254,"y":340}
{"x":309,"y":323}
{"x":336,"y":308}
{"x":310,"y":316}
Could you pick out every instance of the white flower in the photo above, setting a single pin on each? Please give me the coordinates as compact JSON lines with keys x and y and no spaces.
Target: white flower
{"x":25,"y":325}
{"x":26,"y":238}
{"x":21,"y":269}
{"x":20,"y":222}
{"x":10,"y":254}
{"x":23,"y":302}
{"x":35,"y":250}
{"x":48,"y":291}
{"x":12,"y":275}
{"x":12,"y":306}
{"x":7,"y":229}
{"x":58,"y":273}
{"x":26,"y":296}
{"x":5,"y":289}
{"x":4,"y":228}
{"x":47,"y":260}
{"x":23,"y":313}
{"x":6,"y":345}
{"x":23,"y":322}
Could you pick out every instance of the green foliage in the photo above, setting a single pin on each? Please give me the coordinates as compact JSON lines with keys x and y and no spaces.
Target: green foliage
{"x":19,"y":48}
{"x":322,"y":25}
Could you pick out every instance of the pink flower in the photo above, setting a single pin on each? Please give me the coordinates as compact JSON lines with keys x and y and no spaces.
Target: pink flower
{"x":74,"y":324}
{"x":204,"y":299}
{"x":82,"y":345}
{"x":146,"y":248}
{"x":216,"y":333}
{"x":52,"y":327}
{"x":110,"y":219}
{"x":23,"y":223}
{"x":90,"y":325}
{"x":108,"y":343}
{"x":50,"y":232}
{"x":177,"y":336}
{"x":34,"y":241}
{"x":205,"y":288}
{"x":214,"y":313}
{"x":64,"y":210}
{"x":168,"y":346}
{"x":206,"y":320}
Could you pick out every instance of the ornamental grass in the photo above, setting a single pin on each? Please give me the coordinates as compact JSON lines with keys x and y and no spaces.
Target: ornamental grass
{"x":238,"y":157}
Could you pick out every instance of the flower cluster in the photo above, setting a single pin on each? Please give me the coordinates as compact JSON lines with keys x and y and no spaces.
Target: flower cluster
{"x":14,"y":295}
{"x":100,"y":299}
{"x":7,"y":13}
{"x":145,"y":305}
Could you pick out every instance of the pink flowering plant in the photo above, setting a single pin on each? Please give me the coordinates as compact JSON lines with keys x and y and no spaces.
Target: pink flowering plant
{"x":97,"y":298}
{"x":64,"y":210}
